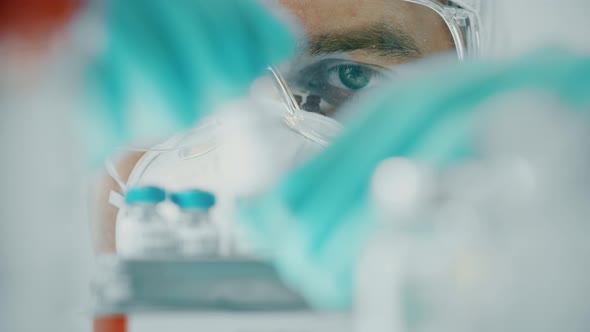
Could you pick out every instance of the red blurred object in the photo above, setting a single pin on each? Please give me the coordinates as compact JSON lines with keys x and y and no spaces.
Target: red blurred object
{"x":35,"y":19}
{"x":116,"y":323}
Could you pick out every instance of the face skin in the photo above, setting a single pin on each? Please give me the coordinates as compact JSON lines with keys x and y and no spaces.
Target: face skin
{"x":352,"y":45}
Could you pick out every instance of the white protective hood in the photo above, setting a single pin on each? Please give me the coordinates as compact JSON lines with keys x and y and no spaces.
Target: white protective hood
{"x":513,"y":27}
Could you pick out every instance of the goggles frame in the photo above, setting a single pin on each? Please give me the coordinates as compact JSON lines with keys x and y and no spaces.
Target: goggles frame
{"x":463,"y":21}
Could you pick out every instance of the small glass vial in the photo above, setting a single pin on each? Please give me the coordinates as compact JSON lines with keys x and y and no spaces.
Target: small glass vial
{"x":143,"y":233}
{"x":196,"y":233}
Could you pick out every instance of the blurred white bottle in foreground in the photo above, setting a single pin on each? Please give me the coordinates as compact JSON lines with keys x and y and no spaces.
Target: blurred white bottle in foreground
{"x":401,"y":190}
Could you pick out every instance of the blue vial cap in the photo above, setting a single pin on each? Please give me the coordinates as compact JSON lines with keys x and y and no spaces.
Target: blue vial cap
{"x":145,"y":195}
{"x":193,"y":199}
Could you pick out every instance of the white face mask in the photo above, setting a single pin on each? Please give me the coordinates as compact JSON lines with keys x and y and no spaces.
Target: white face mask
{"x":240,"y":148}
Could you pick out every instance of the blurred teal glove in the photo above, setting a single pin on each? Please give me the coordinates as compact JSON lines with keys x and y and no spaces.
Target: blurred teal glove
{"x":168,"y":63}
{"x":316,"y":220}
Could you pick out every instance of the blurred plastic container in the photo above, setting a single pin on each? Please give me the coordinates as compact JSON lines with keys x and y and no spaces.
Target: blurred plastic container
{"x":138,"y":295}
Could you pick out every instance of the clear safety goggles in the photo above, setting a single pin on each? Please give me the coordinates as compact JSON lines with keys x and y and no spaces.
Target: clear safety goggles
{"x":335,"y":67}
{"x":327,"y":81}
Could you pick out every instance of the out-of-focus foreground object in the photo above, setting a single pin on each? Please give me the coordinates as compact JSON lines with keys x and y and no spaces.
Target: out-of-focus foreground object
{"x":316,"y":219}
{"x":162,"y":67}
{"x":499,"y":243}
{"x":33,"y":19}
{"x":45,"y":249}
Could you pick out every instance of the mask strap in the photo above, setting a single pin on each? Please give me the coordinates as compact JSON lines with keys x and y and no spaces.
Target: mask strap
{"x":115,"y":198}
{"x":112,"y":172}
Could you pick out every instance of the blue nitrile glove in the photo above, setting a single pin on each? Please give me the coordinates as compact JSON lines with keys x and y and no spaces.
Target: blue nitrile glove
{"x":165,"y":64}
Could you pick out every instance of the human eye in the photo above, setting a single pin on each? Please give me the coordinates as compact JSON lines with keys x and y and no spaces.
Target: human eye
{"x":325,"y":85}
{"x":352,"y":77}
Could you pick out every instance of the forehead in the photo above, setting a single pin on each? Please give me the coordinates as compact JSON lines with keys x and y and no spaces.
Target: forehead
{"x":319,"y":17}
{"x":322,"y":15}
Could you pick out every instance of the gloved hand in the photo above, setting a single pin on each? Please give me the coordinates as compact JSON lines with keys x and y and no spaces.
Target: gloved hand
{"x":166,"y":64}
{"x":316,"y":220}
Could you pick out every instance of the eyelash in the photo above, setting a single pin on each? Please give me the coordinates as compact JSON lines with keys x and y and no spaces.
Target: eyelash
{"x":333,"y":74}
{"x":323,"y":78}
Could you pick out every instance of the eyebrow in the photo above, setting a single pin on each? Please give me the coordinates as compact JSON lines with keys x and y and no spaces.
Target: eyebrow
{"x":380,"y":39}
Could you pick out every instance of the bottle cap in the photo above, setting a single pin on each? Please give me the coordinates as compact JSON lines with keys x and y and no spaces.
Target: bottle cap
{"x":145,"y":195}
{"x":193,"y":199}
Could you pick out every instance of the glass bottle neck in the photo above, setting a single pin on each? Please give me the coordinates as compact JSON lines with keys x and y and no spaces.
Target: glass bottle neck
{"x":195,"y":215}
{"x":143,"y":210}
